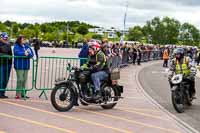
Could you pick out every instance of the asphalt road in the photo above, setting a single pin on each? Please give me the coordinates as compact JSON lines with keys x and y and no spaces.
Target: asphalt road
{"x":155,"y":83}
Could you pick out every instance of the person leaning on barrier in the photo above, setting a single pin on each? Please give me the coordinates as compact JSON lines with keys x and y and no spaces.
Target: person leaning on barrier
{"x":182,"y":64}
{"x":22,"y":64}
{"x":5,"y":63}
{"x":97,"y":64}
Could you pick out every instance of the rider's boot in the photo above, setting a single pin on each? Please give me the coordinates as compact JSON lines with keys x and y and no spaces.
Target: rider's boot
{"x":97,"y":96}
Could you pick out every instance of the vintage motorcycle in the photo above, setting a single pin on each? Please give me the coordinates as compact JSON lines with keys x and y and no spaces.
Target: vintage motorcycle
{"x":79,"y":87}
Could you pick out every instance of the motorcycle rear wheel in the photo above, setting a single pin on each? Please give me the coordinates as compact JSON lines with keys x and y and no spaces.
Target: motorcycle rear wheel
{"x":115,"y":94}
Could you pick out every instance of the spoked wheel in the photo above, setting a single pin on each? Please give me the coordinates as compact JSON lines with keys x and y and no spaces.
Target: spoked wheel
{"x":62,"y":98}
{"x":178,"y":101}
{"x":111,"y":95}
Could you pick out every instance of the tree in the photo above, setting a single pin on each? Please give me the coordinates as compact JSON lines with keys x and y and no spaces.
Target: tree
{"x":119,"y":34}
{"x":8,"y":23}
{"x":83,"y":30}
{"x":189,"y":34}
{"x":162,"y":31}
{"x":171,"y":30}
{"x":135,"y":34}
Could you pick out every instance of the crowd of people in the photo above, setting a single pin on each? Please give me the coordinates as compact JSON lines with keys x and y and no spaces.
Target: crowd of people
{"x":128,"y":53}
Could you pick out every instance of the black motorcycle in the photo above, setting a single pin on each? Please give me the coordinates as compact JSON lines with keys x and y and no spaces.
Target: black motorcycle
{"x":79,"y":87}
{"x":180,"y":92}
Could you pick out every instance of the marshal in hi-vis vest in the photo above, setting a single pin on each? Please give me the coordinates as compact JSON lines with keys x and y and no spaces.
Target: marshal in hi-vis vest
{"x":183,"y":68}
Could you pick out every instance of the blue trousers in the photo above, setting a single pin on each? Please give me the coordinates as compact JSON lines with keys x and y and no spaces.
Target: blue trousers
{"x":97,"y":77}
{"x":4,"y":77}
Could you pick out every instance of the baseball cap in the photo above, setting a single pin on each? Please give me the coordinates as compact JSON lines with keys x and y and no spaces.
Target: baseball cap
{"x":4,"y":35}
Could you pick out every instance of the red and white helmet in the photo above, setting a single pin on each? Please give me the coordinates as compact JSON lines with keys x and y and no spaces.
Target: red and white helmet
{"x":94,"y":45}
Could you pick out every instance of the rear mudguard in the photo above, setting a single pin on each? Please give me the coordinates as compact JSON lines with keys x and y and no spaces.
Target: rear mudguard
{"x":119,"y":89}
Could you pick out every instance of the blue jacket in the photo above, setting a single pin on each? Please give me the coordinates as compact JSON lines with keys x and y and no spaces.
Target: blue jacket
{"x":84,"y":51}
{"x":22,"y":63}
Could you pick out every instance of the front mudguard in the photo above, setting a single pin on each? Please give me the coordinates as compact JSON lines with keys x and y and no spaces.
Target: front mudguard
{"x":69,"y":83}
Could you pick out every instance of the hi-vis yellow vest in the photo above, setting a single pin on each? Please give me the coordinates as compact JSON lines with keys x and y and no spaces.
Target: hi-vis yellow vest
{"x":184,"y":66}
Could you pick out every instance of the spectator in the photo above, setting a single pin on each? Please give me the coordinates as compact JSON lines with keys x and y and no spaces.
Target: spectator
{"x":139,"y":56}
{"x":36,"y":44}
{"x":5,"y":63}
{"x":134,"y":56}
{"x":124,"y":54}
{"x":22,"y":65}
{"x":84,"y":52}
{"x":165,"y":57}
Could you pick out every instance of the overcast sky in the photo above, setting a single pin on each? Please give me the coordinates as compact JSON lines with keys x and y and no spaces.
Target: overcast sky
{"x":104,"y":13}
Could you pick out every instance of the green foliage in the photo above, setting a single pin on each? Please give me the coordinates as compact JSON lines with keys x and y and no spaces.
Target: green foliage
{"x":119,"y":34}
{"x":97,"y":36}
{"x":158,"y":31}
{"x":15,"y":29}
{"x":3,"y":28}
{"x":82,"y":29}
{"x":189,"y":34}
{"x":135,"y":34}
{"x":165,"y":31}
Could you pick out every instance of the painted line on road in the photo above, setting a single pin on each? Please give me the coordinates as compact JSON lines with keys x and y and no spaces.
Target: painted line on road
{"x":36,"y":123}
{"x":68,"y":117}
{"x":141,"y":109}
{"x":138,"y":98}
{"x":48,"y":102}
{"x":144,"y":114}
{"x":131,"y":121}
{"x":28,"y":100}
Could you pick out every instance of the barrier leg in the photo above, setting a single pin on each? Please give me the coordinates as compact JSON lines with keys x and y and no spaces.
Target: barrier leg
{"x":24,"y":93}
{"x":43,"y":92}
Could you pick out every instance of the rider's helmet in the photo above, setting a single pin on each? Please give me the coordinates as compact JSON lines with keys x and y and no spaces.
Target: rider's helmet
{"x":179,"y":53}
{"x":95,"y":46}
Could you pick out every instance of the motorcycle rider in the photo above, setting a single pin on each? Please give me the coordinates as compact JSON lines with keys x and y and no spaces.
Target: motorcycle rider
{"x":183,"y":64}
{"x":98,"y":66}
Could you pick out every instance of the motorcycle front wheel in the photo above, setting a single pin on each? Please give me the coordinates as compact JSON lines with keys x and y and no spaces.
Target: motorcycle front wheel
{"x":177,"y":100}
{"x":62,"y":97}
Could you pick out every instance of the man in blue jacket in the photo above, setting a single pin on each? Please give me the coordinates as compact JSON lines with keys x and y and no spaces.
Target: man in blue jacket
{"x":5,"y":63}
{"x":84,"y":52}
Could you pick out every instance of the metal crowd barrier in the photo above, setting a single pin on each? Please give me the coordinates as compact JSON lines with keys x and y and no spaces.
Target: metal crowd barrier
{"x":49,"y":69}
{"x":146,"y":55}
{"x":8,"y":75}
